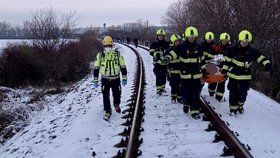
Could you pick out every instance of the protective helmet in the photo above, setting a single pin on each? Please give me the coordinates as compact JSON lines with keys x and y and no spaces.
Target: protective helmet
{"x":191,"y":31}
{"x":160,"y":32}
{"x":209,"y":36}
{"x":107,"y":41}
{"x":174,"y":38}
{"x":245,"y":36}
{"x":225,"y":36}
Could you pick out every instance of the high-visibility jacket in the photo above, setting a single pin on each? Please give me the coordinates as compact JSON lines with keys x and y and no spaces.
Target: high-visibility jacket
{"x":157,"y":50}
{"x":109,"y":64}
{"x":174,"y":65}
{"x":206,"y":47}
{"x":239,"y":59}
{"x":191,"y":60}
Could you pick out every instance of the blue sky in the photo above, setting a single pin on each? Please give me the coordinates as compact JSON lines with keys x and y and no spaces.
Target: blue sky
{"x":91,"y":12}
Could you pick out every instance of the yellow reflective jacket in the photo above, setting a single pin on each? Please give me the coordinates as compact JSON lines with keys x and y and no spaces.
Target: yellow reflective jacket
{"x":239,"y":59}
{"x":109,"y":64}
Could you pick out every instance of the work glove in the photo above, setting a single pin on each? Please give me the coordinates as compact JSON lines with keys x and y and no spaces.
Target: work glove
{"x":124,"y":82}
{"x":204,"y":72}
{"x":165,"y":61}
{"x":157,"y":57}
{"x":95,"y":84}
{"x":268,"y":68}
{"x":224,"y":72}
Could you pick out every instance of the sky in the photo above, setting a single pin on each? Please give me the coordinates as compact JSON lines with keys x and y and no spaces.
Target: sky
{"x":90,"y":12}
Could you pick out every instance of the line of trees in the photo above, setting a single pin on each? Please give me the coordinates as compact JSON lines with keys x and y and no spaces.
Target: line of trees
{"x":261,"y":17}
{"x":140,"y":29}
{"x":51,"y":57}
{"x":9,"y":31}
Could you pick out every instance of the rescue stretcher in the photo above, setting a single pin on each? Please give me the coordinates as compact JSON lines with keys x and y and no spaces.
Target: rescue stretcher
{"x":214,"y":71}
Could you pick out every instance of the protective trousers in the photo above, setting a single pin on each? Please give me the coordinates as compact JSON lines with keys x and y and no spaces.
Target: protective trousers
{"x":190,"y":94}
{"x":237,"y":93}
{"x":218,"y":89}
{"x":175,"y":83}
{"x":160,"y":72}
{"x":115,"y":85}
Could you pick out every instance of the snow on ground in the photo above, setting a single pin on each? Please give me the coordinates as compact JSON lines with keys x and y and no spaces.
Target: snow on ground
{"x":5,"y":42}
{"x":169,"y":132}
{"x":258,"y":127}
{"x":73,"y":125}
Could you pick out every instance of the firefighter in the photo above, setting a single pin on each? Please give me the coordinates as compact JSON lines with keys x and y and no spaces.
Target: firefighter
{"x":110,"y":63}
{"x":174,"y":70}
{"x":157,"y":50}
{"x":192,"y":68}
{"x":218,"y":51}
{"x":207,"y":44}
{"x":238,"y":63}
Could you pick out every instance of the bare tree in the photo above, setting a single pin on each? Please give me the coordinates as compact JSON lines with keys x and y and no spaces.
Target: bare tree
{"x":5,"y":26}
{"x":49,"y":33}
{"x":48,"y":30}
{"x":178,"y":16}
{"x":261,"y":17}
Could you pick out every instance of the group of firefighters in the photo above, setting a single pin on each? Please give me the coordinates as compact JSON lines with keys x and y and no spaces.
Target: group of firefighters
{"x":183,"y":62}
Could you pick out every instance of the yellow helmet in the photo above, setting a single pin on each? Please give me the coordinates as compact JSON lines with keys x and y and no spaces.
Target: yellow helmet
{"x":225,"y":36}
{"x":209,"y":36}
{"x":107,"y":41}
{"x":174,"y":38}
{"x":245,"y":36}
{"x":191,"y":31}
{"x":160,"y":32}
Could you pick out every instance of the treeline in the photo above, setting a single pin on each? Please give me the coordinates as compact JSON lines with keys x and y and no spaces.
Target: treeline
{"x":261,"y":17}
{"x":142,"y":30}
{"x":7,"y":31}
{"x":50,"y":58}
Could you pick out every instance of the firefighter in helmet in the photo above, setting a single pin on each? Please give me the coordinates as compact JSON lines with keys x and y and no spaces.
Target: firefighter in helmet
{"x":110,"y":63}
{"x":157,"y":50}
{"x":174,"y":70}
{"x":237,"y":66}
{"x":216,"y":55}
{"x":192,"y":68}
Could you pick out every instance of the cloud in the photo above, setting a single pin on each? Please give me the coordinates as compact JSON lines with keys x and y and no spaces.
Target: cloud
{"x":91,"y":12}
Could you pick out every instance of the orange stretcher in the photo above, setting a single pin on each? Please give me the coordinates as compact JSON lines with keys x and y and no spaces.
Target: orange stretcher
{"x":214,"y":78}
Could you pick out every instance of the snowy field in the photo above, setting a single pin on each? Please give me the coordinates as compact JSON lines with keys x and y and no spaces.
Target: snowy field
{"x":72,"y":125}
{"x":5,"y":42}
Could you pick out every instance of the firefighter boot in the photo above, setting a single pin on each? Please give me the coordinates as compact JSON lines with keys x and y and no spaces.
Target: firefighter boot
{"x":117,"y":108}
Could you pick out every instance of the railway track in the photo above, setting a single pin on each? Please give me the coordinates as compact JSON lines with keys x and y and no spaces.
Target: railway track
{"x":129,"y":145}
{"x":134,"y":115}
{"x":233,"y":146}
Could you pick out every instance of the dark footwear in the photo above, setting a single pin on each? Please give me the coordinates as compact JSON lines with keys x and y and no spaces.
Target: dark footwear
{"x":179,"y":100}
{"x":241,"y":110}
{"x":159,"y":92}
{"x":173,"y":99}
{"x":186,"y":108}
{"x":117,"y":108}
{"x":195,"y":116}
{"x":219,"y":98}
{"x":232,"y":112}
{"x":211,"y":94}
{"x":107,"y":116}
